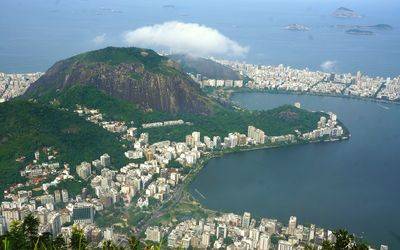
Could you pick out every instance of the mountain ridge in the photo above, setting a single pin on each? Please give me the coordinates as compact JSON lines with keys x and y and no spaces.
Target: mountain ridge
{"x":140,"y":76}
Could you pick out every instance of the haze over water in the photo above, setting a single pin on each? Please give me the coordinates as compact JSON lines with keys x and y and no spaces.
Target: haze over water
{"x":352,"y":184}
{"x":35,"y":34}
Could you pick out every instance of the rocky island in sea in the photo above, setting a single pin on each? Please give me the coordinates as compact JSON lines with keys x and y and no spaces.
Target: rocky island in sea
{"x":343,"y":12}
{"x":359,"y":32}
{"x":380,"y":27}
{"x":297,"y":27}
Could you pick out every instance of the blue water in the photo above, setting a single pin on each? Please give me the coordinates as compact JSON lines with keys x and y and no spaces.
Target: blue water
{"x":35,"y":34}
{"x":352,"y":184}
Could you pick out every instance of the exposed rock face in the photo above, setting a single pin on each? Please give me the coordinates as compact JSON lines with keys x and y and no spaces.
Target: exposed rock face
{"x":136,"y":75}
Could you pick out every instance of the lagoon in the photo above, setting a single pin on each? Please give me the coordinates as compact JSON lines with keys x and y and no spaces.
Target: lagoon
{"x":351,"y":184}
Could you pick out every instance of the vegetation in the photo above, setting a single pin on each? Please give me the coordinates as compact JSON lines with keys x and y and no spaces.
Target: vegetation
{"x":344,"y":241}
{"x":26,"y":127}
{"x":114,"y":56}
{"x":279,"y":121}
{"x":224,"y":120}
{"x":113,"y":108}
{"x":23,"y":235}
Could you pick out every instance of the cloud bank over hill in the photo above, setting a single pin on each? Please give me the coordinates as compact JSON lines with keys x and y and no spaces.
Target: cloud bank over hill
{"x":100,"y":39}
{"x":187,"y":38}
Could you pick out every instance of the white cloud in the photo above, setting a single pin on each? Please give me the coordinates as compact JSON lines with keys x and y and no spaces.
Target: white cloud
{"x":329,"y":66}
{"x":100,"y":39}
{"x":188,"y":38}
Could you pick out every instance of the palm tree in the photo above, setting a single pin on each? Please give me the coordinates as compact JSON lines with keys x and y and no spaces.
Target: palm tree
{"x":30,"y":226}
{"x":78,"y":239}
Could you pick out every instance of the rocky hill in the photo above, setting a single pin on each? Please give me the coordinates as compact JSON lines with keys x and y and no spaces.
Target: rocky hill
{"x":206,"y":67}
{"x":139,"y":76}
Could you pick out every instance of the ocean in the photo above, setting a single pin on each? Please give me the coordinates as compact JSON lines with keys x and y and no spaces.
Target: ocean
{"x":35,"y":34}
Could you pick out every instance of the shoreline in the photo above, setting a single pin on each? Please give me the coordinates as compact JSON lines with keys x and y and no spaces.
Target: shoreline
{"x":233,"y":91}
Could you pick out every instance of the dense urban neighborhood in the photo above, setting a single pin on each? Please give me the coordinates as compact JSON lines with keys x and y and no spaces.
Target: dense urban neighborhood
{"x":287,"y":79}
{"x":153,"y":179}
{"x":109,"y":202}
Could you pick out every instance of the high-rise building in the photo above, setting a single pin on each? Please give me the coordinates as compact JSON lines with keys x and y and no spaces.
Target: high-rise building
{"x":153,"y":234}
{"x":3,"y":225}
{"x":284,"y":245}
{"x":196,"y":138}
{"x":312,"y":232}
{"x":84,"y":170}
{"x":55,"y":223}
{"x":222,"y":231}
{"x":254,"y":235}
{"x":189,"y":141}
{"x":208,"y":142}
{"x":217,"y":142}
{"x":246,"y":219}
{"x":264,"y":242}
{"x":359,"y":75}
{"x":105,"y":160}
{"x":57,"y":196}
{"x":10,"y":215}
{"x":256,"y":134}
{"x":205,"y":239}
{"x":46,"y":199}
{"x":83,"y":213}
{"x":292,"y":225}
{"x":64,"y":194}
{"x":144,"y":137}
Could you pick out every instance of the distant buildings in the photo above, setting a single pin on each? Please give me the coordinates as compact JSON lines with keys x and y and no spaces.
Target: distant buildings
{"x":292,"y":225}
{"x":285,"y":245}
{"x":154,"y":234}
{"x":256,"y":134}
{"x":13,"y":85}
{"x":83,"y":213}
{"x":84,"y":170}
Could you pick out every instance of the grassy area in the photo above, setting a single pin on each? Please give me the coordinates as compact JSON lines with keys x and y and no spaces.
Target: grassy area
{"x":187,"y":208}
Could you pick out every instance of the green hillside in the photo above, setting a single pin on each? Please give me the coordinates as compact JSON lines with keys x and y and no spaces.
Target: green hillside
{"x":278,"y":121}
{"x":25,"y":127}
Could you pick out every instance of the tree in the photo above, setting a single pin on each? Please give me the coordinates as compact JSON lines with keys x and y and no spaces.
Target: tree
{"x":16,"y":236}
{"x":59,"y":243}
{"x":109,"y":245}
{"x":344,"y":241}
{"x":78,"y":239}
{"x":134,"y":243}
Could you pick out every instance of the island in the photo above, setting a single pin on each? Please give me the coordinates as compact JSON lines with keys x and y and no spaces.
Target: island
{"x":359,"y":32}
{"x":297,"y":27}
{"x":380,"y":27}
{"x":343,"y":12}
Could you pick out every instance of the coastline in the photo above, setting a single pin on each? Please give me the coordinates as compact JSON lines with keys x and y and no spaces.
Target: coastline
{"x":232,"y":91}
{"x":203,"y":161}
{"x":187,"y":195}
